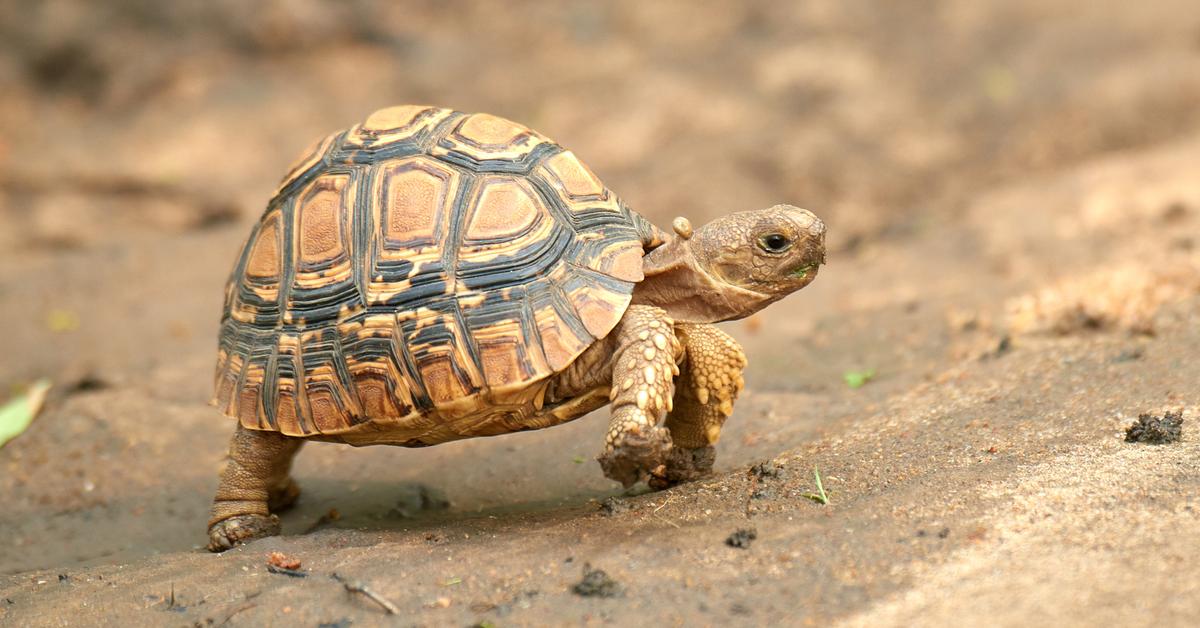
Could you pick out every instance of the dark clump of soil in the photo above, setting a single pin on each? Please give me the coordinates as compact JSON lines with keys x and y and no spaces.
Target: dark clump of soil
{"x":763,"y":492}
{"x":762,"y":473}
{"x":614,"y":506}
{"x":596,"y":583}
{"x":87,"y":383}
{"x":70,"y":67}
{"x":1175,"y":212}
{"x":767,"y":469}
{"x":742,"y":538}
{"x":1155,"y":431}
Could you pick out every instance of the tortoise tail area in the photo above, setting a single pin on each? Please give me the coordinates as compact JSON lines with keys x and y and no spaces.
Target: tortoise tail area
{"x":299,"y":383}
{"x":256,"y":380}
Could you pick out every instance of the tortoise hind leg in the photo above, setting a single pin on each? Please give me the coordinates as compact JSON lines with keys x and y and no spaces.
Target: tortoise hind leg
{"x":254,"y":483}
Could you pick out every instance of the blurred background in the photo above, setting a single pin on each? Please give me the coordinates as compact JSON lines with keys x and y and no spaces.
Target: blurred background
{"x":992,"y":173}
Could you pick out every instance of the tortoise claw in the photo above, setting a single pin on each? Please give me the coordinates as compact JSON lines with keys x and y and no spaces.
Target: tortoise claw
{"x":636,"y":456}
{"x":239,"y":529}
{"x":684,"y":465}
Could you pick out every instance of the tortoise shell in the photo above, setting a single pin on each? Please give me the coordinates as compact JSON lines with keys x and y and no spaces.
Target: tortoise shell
{"x":423,"y":264}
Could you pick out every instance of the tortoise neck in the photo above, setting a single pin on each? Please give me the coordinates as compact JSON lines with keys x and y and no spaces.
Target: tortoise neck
{"x":677,"y":281}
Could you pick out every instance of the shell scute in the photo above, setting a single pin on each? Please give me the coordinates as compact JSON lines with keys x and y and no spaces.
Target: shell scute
{"x":421,"y":267}
{"x":404,"y":123}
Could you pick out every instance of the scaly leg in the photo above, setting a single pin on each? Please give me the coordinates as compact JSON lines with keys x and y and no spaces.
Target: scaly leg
{"x":709,"y":382}
{"x":643,"y":372}
{"x":255,"y":482}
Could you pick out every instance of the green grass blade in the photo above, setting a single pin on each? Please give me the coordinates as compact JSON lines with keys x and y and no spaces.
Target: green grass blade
{"x":820,"y":487}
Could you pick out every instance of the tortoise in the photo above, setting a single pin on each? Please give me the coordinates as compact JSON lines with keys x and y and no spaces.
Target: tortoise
{"x":429,"y":275}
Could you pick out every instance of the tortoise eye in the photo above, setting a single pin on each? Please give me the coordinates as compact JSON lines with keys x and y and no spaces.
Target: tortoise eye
{"x":774,"y":243}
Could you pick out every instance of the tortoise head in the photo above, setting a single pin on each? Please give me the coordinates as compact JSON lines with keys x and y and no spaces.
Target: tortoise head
{"x":733,"y":266}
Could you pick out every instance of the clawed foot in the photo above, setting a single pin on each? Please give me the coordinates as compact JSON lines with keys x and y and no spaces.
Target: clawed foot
{"x":241,"y":529}
{"x":684,"y":465}
{"x":637,"y":454}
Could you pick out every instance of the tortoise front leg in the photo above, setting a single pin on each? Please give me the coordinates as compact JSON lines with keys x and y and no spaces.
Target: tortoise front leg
{"x":255,"y":482}
{"x":643,"y":372}
{"x":709,"y":382}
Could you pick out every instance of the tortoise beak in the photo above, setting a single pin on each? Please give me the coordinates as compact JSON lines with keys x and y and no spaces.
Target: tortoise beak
{"x":812,"y":232}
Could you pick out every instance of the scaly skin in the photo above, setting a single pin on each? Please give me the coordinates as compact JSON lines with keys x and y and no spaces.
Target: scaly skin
{"x":643,"y":373}
{"x":254,"y":483}
{"x":708,"y":368}
{"x":709,"y":382}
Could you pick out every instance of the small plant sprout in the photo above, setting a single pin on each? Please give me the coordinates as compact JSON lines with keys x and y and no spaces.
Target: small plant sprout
{"x":820,"y":497}
{"x":856,"y":379}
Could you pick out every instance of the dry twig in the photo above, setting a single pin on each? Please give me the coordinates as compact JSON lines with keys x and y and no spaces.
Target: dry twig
{"x":358,"y":587}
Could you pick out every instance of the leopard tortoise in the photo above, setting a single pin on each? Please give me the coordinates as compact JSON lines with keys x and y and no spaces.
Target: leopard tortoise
{"x":430,"y":275}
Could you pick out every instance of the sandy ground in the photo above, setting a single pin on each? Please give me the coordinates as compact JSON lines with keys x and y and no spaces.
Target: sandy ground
{"x":1013,"y":196}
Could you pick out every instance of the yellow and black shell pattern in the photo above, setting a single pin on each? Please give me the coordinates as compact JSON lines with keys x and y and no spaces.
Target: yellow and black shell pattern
{"x":423,"y":264}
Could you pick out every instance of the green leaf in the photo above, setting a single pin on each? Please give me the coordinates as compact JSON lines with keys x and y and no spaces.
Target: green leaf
{"x":856,"y":379}
{"x":19,"y":412}
{"x":579,"y":459}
